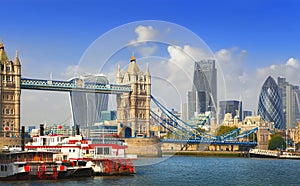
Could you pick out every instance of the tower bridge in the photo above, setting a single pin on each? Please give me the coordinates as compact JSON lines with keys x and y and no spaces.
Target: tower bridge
{"x":133,"y":94}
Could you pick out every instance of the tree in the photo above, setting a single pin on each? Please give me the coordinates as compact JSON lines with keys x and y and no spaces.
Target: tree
{"x":276,"y":142}
{"x":224,"y":129}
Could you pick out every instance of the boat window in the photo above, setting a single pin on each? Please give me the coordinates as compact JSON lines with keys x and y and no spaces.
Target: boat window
{"x":106,"y":150}
{"x":99,"y":150}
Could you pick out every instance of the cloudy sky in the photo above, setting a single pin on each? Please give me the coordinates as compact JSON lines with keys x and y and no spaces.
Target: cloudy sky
{"x":249,"y":39}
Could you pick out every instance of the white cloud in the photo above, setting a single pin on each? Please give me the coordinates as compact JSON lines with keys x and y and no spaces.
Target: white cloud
{"x":289,"y":70}
{"x":76,"y":71}
{"x":145,"y":33}
{"x":292,"y":62}
{"x":147,"y":50}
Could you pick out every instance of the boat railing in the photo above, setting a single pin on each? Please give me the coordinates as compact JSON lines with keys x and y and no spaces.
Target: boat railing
{"x":11,"y":160}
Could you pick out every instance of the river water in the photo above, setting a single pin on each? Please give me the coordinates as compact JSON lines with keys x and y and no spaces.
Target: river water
{"x":190,"y":170}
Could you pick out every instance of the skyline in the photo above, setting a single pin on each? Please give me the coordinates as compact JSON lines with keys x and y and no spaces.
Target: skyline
{"x":250,"y":39}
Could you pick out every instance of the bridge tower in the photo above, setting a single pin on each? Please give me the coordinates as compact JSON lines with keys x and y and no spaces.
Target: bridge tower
{"x":10,"y":91}
{"x":134,"y":107}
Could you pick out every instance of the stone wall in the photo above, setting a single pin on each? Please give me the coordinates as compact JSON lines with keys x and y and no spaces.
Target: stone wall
{"x":144,"y":147}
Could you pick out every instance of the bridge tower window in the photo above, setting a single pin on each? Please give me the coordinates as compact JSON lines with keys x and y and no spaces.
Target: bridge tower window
{"x":8,"y":78}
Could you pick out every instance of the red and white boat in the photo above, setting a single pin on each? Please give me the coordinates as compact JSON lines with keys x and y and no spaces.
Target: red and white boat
{"x":23,"y":165}
{"x":104,"y":159}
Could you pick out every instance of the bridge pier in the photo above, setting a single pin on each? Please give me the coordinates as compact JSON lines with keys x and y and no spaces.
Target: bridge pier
{"x":144,"y":147}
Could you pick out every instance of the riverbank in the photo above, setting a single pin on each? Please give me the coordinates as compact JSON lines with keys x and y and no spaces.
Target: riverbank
{"x":207,"y":153}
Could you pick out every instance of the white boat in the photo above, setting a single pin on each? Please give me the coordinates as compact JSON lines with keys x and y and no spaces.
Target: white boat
{"x":104,"y":159}
{"x":260,"y":153}
{"x":23,"y":165}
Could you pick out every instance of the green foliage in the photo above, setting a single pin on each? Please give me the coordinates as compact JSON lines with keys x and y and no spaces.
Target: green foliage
{"x":253,"y":137}
{"x":224,"y":129}
{"x":169,"y":134}
{"x":298,"y":146}
{"x":276,"y":142}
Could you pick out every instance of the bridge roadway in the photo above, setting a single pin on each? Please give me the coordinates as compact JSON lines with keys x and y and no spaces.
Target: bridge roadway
{"x":73,"y":85}
{"x":209,"y":142}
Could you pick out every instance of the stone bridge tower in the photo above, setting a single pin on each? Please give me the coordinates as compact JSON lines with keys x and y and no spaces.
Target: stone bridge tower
{"x":10,"y":92}
{"x":134,"y":107}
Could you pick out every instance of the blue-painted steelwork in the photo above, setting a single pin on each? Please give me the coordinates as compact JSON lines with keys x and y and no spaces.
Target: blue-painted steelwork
{"x":190,"y":135}
{"x":192,"y":141}
{"x":73,"y":85}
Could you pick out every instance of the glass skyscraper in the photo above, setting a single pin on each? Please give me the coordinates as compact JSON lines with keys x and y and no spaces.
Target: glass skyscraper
{"x":203,"y":96}
{"x":87,"y":107}
{"x":290,"y":102}
{"x":231,"y":106}
{"x":270,"y":103}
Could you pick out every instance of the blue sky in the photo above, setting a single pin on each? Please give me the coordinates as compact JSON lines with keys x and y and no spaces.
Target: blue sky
{"x":51,"y":35}
{"x":268,"y":30}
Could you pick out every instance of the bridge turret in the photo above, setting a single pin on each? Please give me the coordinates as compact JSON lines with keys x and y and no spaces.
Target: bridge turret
{"x":134,"y":107}
{"x":10,"y":75}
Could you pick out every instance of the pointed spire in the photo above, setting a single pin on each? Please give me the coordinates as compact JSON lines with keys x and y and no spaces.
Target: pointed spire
{"x":147,"y":69}
{"x":119,"y":71}
{"x":17,"y":61}
{"x":3,"y":56}
{"x":132,"y":57}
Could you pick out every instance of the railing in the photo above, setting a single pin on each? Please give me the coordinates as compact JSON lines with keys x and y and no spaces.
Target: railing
{"x":195,"y":141}
{"x":74,"y":85}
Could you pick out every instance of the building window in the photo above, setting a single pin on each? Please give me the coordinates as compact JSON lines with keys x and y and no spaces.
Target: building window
{"x":8,"y":78}
{"x":7,"y":68}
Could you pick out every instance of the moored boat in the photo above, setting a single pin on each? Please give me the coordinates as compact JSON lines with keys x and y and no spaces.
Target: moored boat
{"x":102,"y":158}
{"x":260,"y":153}
{"x":29,"y":165}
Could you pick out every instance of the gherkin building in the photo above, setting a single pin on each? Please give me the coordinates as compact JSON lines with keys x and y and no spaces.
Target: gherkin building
{"x":270,"y":105}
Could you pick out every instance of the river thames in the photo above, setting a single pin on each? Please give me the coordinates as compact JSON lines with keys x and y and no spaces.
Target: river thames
{"x":190,"y":170}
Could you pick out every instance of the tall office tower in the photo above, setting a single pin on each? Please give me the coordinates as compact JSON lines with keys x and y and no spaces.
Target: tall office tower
{"x":282,"y":84}
{"x":10,"y":92}
{"x":87,"y":107}
{"x":191,"y":106}
{"x":184,"y":112}
{"x":232,"y":106}
{"x":270,"y":104}
{"x":204,"y":90}
{"x":290,"y":102}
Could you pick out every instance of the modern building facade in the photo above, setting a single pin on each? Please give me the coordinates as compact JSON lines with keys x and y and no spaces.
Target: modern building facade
{"x":10,"y":92}
{"x":246,"y":113}
{"x":231,"y":106}
{"x":87,"y":107}
{"x":290,"y":102}
{"x":270,"y":104}
{"x":203,"y":96}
